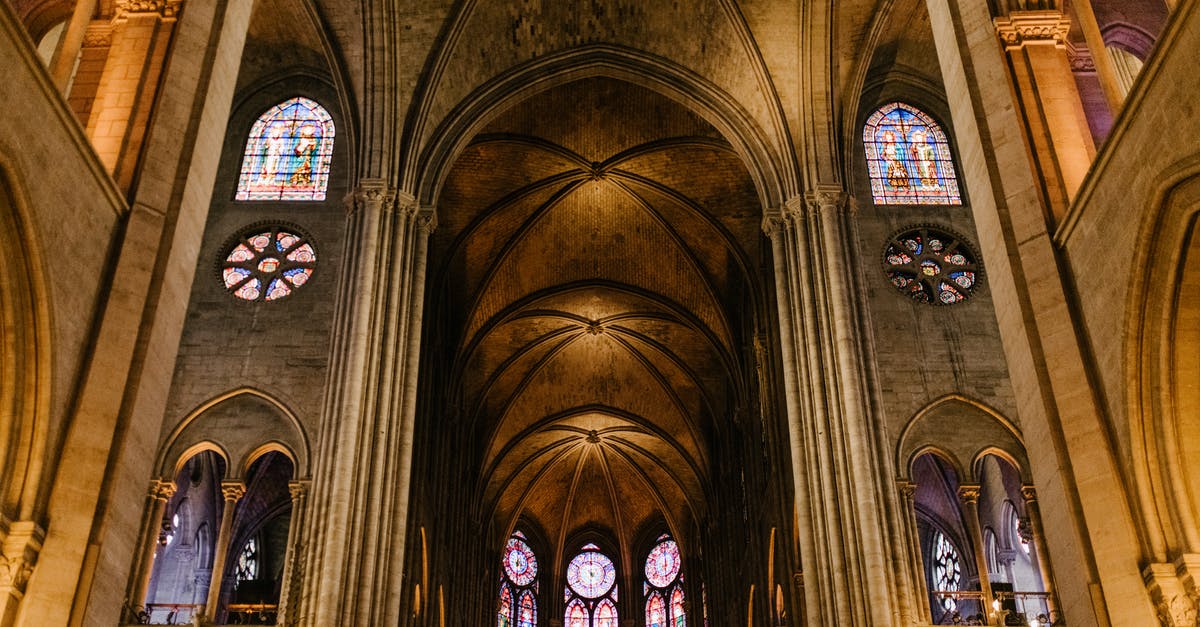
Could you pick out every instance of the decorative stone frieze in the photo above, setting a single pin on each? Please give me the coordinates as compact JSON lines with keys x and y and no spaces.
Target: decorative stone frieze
{"x":1080,"y":58}
{"x":98,"y":35}
{"x":162,"y":8}
{"x":1021,"y":28}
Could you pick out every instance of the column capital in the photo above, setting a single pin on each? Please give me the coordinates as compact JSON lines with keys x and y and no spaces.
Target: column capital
{"x":378,"y":194}
{"x":233,"y":491}
{"x":774,"y":222}
{"x":298,"y":489}
{"x":1029,"y":493}
{"x":426,"y":218}
{"x":968,"y":494}
{"x":18,"y":554}
{"x":161,"y":490}
{"x":827,"y":198}
{"x":1022,"y":28}
{"x":908,"y":489}
{"x":162,"y":8}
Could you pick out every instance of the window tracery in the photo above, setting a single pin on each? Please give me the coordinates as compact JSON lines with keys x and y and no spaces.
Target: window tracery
{"x":931,"y":266}
{"x":247,"y":562}
{"x":664,"y":585}
{"x":947,"y":570}
{"x":518,"y":585}
{"x":591,"y":592}
{"x":288,"y":153}
{"x":268,"y":262}
{"x":908,"y":158}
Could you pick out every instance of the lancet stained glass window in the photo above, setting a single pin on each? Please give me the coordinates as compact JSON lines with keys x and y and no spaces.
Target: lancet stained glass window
{"x":591,"y":592}
{"x":931,"y":266}
{"x":268,"y":262}
{"x":247,"y":563}
{"x":664,"y":585}
{"x":908,"y":158}
{"x":947,"y":570}
{"x":288,"y":153}
{"x":518,"y":584}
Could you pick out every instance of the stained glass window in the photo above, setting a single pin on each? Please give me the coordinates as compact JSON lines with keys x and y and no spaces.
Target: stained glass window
{"x":591,"y":591}
{"x":947,"y":570}
{"x":908,"y":158}
{"x":267,"y":263}
{"x":518,"y":587}
{"x":288,"y":153}
{"x":664,"y":585}
{"x":247,"y":563}
{"x":1019,"y":538}
{"x":931,"y":266}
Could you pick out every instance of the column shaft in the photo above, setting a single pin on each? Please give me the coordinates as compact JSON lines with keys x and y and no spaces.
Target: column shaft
{"x":160,"y":493}
{"x":291,"y":572}
{"x":232,"y":491}
{"x":916,"y":563}
{"x":1039,"y":546}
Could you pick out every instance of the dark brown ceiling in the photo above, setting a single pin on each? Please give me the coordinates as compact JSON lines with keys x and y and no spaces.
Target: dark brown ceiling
{"x":595,"y":259}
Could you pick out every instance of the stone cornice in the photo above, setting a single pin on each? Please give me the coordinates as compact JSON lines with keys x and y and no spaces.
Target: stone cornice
{"x":1021,"y":28}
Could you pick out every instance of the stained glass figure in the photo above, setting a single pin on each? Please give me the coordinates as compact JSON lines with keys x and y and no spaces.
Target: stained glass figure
{"x":504,"y":613}
{"x":931,"y":266}
{"x":272,"y":257}
{"x":247,"y":563}
{"x":664,"y":585}
{"x":591,"y":589}
{"x":288,"y":153}
{"x":947,"y":569}
{"x":908,"y":158}
{"x":518,"y":588}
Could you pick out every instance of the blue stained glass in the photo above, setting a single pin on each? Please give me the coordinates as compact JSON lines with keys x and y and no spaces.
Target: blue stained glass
{"x":908,"y":158}
{"x":931,"y":267}
{"x":253,"y":261}
{"x":288,"y":153}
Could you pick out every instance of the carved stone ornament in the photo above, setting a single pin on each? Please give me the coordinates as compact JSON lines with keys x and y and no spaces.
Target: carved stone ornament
{"x":164,"y":8}
{"x":1179,"y":611}
{"x":830,"y":200}
{"x":19,"y":555}
{"x":969,"y":493}
{"x":1022,"y":28}
{"x":97,"y":36}
{"x":233,"y":490}
{"x":1080,"y":58}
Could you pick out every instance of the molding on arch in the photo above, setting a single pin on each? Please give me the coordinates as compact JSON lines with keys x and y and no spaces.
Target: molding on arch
{"x":301,"y":459}
{"x":203,"y":446}
{"x":776,"y":176}
{"x":964,"y":460}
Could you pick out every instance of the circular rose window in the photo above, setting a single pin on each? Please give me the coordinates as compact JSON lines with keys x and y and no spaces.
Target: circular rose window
{"x":268,"y":263}
{"x":591,"y":574}
{"x":931,"y":266}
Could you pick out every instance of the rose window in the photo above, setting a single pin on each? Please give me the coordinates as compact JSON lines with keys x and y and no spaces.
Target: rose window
{"x":931,"y":266}
{"x":268,"y":263}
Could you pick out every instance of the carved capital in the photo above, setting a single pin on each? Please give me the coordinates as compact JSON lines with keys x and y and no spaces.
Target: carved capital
{"x":372,"y":194}
{"x":233,"y":491}
{"x":968,"y":494}
{"x":827,"y":200}
{"x":908,"y":489}
{"x":97,"y":35}
{"x":162,"y":490}
{"x":426,"y":220}
{"x":1022,"y":28}
{"x":18,"y":555}
{"x":774,"y":223}
{"x":168,"y":9}
{"x":1175,"y":604}
{"x":1080,"y":58}
{"x":297,"y":489}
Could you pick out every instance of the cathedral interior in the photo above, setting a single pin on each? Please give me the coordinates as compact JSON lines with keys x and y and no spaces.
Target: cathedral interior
{"x":600,"y":313}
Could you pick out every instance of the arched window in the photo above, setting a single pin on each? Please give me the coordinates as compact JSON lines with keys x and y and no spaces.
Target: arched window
{"x":247,"y":562}
{"x":518,"y":585}
{"x":1018,"y":535}
{"x":908,"y":158}
{"x":288,"y":153}
{"x":947,"y":570}
{"x":664,"y":585}
{"x":591,"y":592}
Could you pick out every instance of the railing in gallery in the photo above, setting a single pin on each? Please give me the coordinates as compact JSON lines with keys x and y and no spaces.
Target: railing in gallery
{"x":1015,"y":609}
{"x":182,"y":613}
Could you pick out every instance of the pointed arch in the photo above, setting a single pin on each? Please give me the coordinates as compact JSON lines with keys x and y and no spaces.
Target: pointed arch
{"x":908,"y":158}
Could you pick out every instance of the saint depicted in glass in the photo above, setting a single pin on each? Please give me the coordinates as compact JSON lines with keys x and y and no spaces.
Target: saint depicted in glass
{"x":518,"y":587}
{"x":591,"y":592}
{"x":931,"y":266}
{"x":908,"y":158}
{"x":288,"y":153}
{"x":664,"y":585}
{"x":268,"y":263}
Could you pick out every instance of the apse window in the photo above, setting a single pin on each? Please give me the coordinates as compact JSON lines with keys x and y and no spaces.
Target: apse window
{"x":288,"y":153}
{"x":591,"y":593}
{"x":908,"y":158}
{"x":931,"y":266}
{"x":518,"y":585}
{"x":268,"y":263}
{"x":664,"y":585}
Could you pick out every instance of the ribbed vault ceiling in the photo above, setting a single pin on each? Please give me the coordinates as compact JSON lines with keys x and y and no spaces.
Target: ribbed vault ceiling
{"x":595,"y":255}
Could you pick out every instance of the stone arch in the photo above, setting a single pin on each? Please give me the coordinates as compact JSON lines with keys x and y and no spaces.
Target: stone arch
{"x":939,"y":427}
{"x":224,"y":422}
{"x":775,"y":175}
{"x":25,"y":356}
{"x":1162,"y":395}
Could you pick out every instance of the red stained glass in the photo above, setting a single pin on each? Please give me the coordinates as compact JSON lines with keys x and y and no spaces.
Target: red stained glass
{"x":931,"y":266}
{"x":288,"y":153}
{"x":504,"y":612}
{"x":591,"y":574}
{"x":662,"y":565}
{"x":656,"y":611}
{"x":253,"y":262}
{"x":520,"y":564}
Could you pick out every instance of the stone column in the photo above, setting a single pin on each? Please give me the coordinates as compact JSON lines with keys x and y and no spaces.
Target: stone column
{"x":968,"y":497}
{"x":1105,"y":70}
{"x":293,"y":572}
{"x":141,"y":33}
{"x":232,"y":491}
{"x":159,"y":495}
{"x":366,"y":444}
{"x":62,"y":64}
{"x":20,"y":543}
{"x":908,"y":491}
{"x":1036,"y":45}
{"x":849,"y":565}
{"x":1088,"y":518}
{"x":1039,"y":546}
{"x":92,"y":55}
